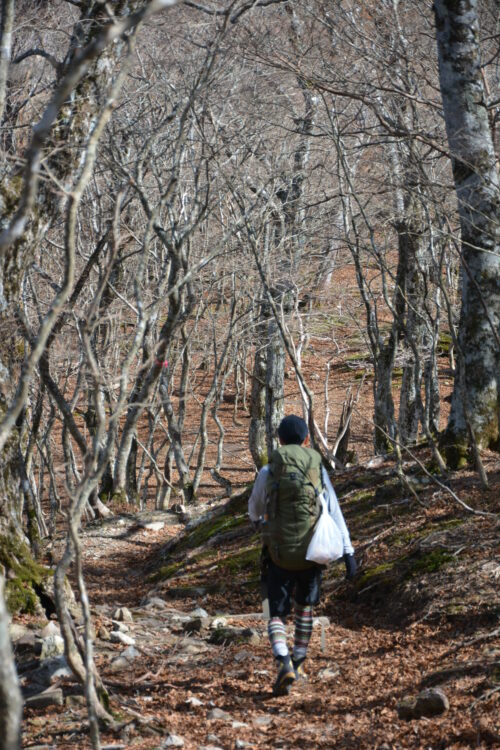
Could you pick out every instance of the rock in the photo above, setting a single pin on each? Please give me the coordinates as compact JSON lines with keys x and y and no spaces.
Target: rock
{"x":194,"y":702}
{"x":75,"y":701}
{"x":52,"y":628}
{"x":213,"y":738}
{"x":25,"y":644}
{"x":154,"y":602}
{"x":243,"y":656}
{"x":406,"y":708}
{"x":43,"y":700}
{"x":196,"y":625}
{"x":239,"y":725}
{"x":130,"y":653}
{"x":103,"y":633}
{"x":217,"y":714}
{"x":218,"y":622}
{"x":17,"y":631}
{"x":61,"y":669}
{"x":329,"y":673}
{"x":222,"y":635}
{"x":263,"y":721}
{"x":173,"y":740}
{"x":123,"y":614}
{"x":199,"y":612}
{"x":120,"y":626}
{"x":209,"y":747}
{"x":431,"y":702}
{"x":119,"y":664}
{"x":118,"y":637}
{"x":52,"y":646}
{"x":48,"y":671}
{"x":153,"y":525}
{"x":193,"y":647}
{"x":241,"y":744}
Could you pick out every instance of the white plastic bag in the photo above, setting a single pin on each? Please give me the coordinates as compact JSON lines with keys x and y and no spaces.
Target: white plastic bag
{"x":326,"y":543}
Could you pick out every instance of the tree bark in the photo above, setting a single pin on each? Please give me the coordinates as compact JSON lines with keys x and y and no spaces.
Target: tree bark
{"x":477,"y":188}
{"x":11,"y":703}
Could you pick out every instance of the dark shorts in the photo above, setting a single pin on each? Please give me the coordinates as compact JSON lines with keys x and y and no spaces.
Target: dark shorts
{"x":283,"y":585}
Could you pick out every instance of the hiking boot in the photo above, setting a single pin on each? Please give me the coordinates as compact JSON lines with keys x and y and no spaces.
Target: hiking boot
{"x":286,"y":676}
{"x":298,"y":667}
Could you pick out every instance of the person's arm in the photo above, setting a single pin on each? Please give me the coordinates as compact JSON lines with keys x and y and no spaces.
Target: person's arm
{"x":257,"y":500}
{"x":336,"y":514}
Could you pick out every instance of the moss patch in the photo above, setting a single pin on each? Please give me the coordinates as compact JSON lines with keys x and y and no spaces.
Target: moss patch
{"x":21,"y":589}
{"x":429,"y":562}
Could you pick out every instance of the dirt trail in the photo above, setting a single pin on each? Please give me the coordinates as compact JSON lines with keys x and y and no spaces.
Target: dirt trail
{"x":181,"y":687}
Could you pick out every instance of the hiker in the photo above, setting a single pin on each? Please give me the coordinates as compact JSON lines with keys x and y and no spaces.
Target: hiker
{"x":284,"y":505}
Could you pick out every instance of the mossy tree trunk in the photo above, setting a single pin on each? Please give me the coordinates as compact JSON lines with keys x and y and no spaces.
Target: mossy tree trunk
{"x":476,"y":395}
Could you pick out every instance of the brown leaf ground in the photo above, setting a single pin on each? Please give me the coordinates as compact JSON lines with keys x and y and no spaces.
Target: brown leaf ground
{"x":423,"y":610}
{"x":421,"y":613}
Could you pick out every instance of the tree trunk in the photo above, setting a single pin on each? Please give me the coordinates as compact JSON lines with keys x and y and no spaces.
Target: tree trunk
{"x":477,"y":187}
{"x":11,"y":703}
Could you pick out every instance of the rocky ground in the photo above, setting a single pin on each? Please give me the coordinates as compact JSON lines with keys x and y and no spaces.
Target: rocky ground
{"x":408,"y":656}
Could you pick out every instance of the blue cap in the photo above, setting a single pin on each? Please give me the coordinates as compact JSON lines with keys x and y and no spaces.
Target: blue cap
{"x":292,"y":430}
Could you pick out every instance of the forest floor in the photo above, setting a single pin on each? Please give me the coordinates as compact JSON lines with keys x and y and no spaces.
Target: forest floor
{"x":193,"y":668}
{"x":423,"y":612}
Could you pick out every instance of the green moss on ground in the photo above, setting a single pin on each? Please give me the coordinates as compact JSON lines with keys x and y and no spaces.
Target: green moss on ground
{"x":248,"y":559}
{"x":205,"y":530}
{"x":166,"y":572}
{"x":27,"y":575}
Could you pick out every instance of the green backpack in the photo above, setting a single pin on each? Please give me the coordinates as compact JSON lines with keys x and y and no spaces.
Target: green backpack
{"x":293,"y":507}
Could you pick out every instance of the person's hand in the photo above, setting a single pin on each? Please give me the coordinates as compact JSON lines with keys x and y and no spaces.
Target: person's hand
{"x":350,"y":566}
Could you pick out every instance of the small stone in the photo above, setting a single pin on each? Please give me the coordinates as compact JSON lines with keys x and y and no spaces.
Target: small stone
{"x":213,"y":738}
{"x":209,"y":747}
{"x":17,"y":631}
{"x":218,"y":714}
{"x":64,"y":670}
{"x":75,"y":701}
{"x":199,"y":612}
{"x":43,"y":700}
{"x":218,"y":622}
{"x":120,"y":626}
{"x":241,"y":744}
{"x":239,"y":725}
{"x":223,"y":635}
{"x":130,"y":653}
{"x":194,"y":648}
{"x":103,"y":633}
{"x":194,"y":702}
{"x":406,"y":708}
{"x":431,"y":702}
{"x":52,"y":646}
{"x":243,"y":656}
{"x":123,"y":614}
{"x":173,"y":740}
{"x":328,"y":673}
{"x":51,"y":629}
{"x":117,"y":637}
{"x":119,"y":664}
{"x":194,"y":626}
{"x":25,"y":644}
{"x":263,"y":721}
{"x":153,"y":525}
{"x":154,"y":602}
